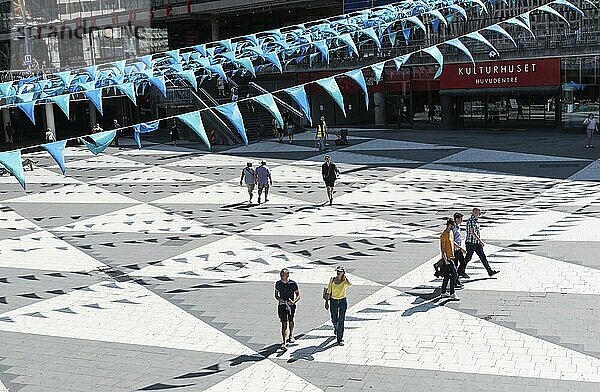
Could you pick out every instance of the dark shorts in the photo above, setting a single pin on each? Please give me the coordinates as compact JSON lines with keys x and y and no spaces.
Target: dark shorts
{"x":330,"y":183}
{"x":262,"y":188}
{"x":284,"y":316}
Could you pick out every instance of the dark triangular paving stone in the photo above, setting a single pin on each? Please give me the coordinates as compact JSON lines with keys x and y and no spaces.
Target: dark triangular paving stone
{"x":3,"y":300}
{"x":7,"y":319}
{"x":3,"y":280}
{"x":35,"y":314}
{"x":29,"y":277}
{"x":162,"y":387}
{"x":30,"y":295}
{"x":93,"y":306}
{"x":57,"y":292}
{"x":65,"y":310}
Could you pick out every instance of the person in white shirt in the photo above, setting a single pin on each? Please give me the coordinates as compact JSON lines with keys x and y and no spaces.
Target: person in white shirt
{"x":590,"y":124}
{"x":50,"y":136}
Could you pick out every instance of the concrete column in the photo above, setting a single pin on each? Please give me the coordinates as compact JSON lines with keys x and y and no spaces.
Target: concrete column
{"x":93,"y":119}
{"x":379,"y":107}
{"x":214,"y":28}
{"x":50,"y":118}
{"x":5,"y":121}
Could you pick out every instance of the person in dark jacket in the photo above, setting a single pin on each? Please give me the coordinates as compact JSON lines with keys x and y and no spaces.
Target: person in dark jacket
{"x":330,"y":173}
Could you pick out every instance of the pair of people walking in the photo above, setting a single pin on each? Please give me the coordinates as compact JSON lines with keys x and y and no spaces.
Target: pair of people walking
{"x":590,"y":124}
{"x":287,"y":294}
{"x":261,"y":176}
{"x":455,"y":258}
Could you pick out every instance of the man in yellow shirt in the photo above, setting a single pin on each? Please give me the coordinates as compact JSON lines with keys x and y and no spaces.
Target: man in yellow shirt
{"x":447,"y":249}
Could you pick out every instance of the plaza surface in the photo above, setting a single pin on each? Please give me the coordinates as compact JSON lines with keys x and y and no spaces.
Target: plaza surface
{"x":146,"y":269}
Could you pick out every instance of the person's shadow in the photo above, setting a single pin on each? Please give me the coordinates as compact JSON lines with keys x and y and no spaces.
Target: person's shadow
{"x":306,"y":353}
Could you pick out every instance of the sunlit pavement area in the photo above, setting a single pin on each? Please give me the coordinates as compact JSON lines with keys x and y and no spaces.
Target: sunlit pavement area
{"x":148,"y":270}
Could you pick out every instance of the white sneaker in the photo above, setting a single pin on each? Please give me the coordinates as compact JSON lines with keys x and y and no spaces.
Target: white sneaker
{"x":454,"y":297}
{"x":445,"y":295}
{"x":291,"y":340}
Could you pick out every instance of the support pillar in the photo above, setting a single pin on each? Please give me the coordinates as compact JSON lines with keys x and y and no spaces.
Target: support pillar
{"x":93,"y":119}
{"x":5,"y":121}
{"x":379,"y":108}
{"x":214,"y":28}
{"x":450,"y":112}
{"x":50,"y":118}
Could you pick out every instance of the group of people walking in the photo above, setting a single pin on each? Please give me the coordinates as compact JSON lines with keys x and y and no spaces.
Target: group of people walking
{"x":453,"y":263}
{"x":287,"y":294}
{"x":261,"y":176}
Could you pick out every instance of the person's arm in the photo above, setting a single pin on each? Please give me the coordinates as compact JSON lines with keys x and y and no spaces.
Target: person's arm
{"x":329,"y":291}
{"x":278,"y":296}
{"x":443,"y":251}
{"x":474,"y":234}
{"x":270,"y":179}
{"x":242,"y":177}
{"x":297,"y":297}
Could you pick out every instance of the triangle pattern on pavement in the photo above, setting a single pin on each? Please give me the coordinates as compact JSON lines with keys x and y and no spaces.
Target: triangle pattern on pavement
{"x":476,"y":155}
{"x":76,"y":193}
{"x":237,"y":257}
{"x":121,"y":313}
{"x":104,"y":161}
{"x":264,"y":376}
{"x":384,"y":144}
{"x":154,"y":174}
{"x":331,"y":221}
{"x":141,"y":218}
{"x":44,"y":251}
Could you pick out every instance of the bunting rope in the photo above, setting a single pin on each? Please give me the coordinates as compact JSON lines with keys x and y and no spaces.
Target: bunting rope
{"x":98,"y":142}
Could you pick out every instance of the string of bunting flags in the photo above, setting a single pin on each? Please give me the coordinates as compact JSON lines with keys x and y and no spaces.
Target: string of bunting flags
{"x":297,"y":44}
{"x":97,"y":143}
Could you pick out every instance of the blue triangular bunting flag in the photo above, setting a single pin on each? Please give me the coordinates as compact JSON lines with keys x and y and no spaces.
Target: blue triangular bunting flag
{"x":190,"y":77}
{"x":146,"y":127}
{"x":29,"y":109}
{"x":57,"y":151}
{"x":129,"y":90}
{"x":95,"y":97}
{"x":331,"y":86}
{"x":98,"y":142}
{"x":378,"y":70}
{"x":298,"y":94}
{"x":232,"y":112}
{"x":273,"y":59}
{"x":62,"y":101}
{"x":359,"y":78}
{"x":11,"y":160}
{"x":159,"y":83}
{"x":267,"y":101}
{"x":194,"y":121}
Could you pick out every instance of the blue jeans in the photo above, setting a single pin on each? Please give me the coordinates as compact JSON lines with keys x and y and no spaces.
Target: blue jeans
{"x":338,"y":307}
{"x":452,"y":277}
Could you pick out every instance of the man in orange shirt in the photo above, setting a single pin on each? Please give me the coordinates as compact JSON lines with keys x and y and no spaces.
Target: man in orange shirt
{"x":447,"y":248}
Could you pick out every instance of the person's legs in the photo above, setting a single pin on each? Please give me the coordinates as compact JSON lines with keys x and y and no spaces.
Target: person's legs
{"x":266,"y":193}
{"x":590,"y":133}
{"x":483,"y":258}
{"x":291,"y":334}
{"x":329,"y":192}
{"x":334,"y":306}
{"x":260,"y":189}
{"x":453,"y":277}
{"x":284,"y":331}
{"x":283,"y":317}
{"x":470,"y":249}
{"x":343,"y":305}
{"x":459,"y":262}
{"x":445,"y":283}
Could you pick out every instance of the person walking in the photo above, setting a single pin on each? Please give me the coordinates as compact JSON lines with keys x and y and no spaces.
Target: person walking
{"x":249,"y":179}
{"x":50,"y":136}
{"x":289,"y":127}
{"x":287,"y":294}
{"x":277,"y":131}
{"x":459,"y":251}
{"x":474,"y":244}
{"x":330,"y":173}
{"x":263,"y":177}
{"x":116,"y":126}
{"x":336,"y":302}
{"x":447,"y":250}
{"x":591,"y":125}
{"x":174,"y":133}
{"x":10,"y":132}
{"x":321,"y":133}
